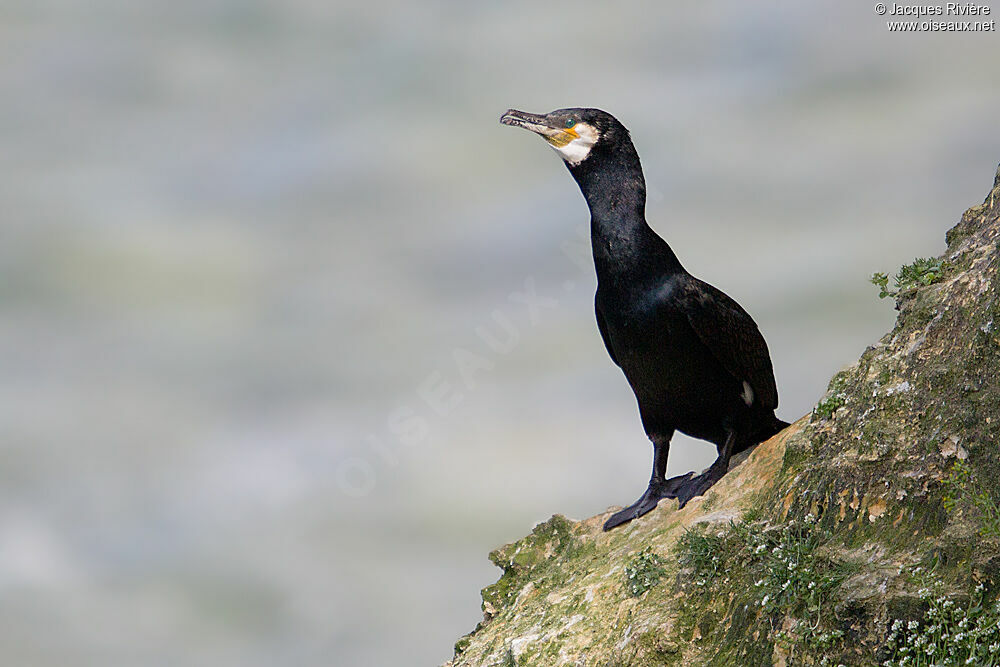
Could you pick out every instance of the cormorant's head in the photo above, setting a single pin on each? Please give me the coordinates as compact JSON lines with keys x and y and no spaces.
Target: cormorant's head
{"x":574,"y":133}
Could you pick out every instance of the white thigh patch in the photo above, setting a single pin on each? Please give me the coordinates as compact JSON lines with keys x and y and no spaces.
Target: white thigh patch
{"x":747,"y":393}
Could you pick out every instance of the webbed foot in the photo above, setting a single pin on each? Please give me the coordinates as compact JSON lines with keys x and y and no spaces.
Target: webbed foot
{"x":699,"y":485}
{"x":656,"y":492}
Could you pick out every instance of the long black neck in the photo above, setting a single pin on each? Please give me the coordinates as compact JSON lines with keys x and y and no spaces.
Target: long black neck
{"x":611,"y":181}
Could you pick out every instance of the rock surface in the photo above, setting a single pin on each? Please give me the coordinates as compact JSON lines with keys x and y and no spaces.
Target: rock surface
{"x":880,"y":506}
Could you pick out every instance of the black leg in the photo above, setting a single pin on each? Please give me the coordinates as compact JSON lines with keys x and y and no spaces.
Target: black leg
{"x":661,"y":447}
{"x":702,"y":483}
{"x":659,"y":487}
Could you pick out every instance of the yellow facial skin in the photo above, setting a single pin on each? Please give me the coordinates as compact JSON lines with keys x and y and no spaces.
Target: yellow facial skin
{"x":562,"y":137}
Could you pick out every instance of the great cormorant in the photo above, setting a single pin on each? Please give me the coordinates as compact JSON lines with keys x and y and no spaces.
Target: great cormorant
{"x":695,"y":359}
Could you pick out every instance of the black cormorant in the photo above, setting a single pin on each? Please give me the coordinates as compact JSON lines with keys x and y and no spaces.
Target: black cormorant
{"x":695,"y":359}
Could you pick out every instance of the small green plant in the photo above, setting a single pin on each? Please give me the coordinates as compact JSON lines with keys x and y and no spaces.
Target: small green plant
{"x":921,"y":272}
{"x":836,"y":396}
{"x":794,"y":578}
{"x":829,"y":405}
{"x":950,"y":634}
{"x":881,"y":281}
{"x":961,"y":489}
{"x":643,"y":572}
{"x":702,"y":553}
{"x":786,"y":574}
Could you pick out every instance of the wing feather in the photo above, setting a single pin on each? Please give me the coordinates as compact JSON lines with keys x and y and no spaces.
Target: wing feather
{"x":733,"y":337}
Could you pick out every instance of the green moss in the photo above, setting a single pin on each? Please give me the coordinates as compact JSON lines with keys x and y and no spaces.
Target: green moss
{"x":530,"y":559}
{"x":839,"y":382}
{"x":651,"y":649}
{"x":798,"y":450}
{"x":966,"y":226}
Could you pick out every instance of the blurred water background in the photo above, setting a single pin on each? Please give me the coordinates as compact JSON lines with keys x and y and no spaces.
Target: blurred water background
{"x":249,"y":250}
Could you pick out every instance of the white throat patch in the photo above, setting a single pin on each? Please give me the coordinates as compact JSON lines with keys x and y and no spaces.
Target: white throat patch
{"x":577,"y":150}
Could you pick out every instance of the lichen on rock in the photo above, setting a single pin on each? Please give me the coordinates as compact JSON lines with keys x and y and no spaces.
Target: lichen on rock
{"x":888,"y":488}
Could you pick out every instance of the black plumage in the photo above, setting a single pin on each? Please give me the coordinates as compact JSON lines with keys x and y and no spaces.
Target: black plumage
{"x":694,"y":358}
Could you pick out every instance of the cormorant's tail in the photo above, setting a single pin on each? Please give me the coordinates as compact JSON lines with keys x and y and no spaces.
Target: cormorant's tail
{"x":765,"y":431}
{"x":776,"y":426}
{"x":780,"y":425}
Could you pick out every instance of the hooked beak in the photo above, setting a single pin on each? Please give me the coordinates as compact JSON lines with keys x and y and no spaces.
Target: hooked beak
{"x":556,"y":136}
{"x":529,"y":121}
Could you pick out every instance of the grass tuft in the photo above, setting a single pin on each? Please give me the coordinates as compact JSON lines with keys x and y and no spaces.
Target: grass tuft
{"x":963,"y":491}
{"x":782,"y":573}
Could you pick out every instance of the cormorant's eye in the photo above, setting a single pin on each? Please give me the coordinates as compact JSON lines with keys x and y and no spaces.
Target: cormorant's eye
{"x":570,"y":122}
